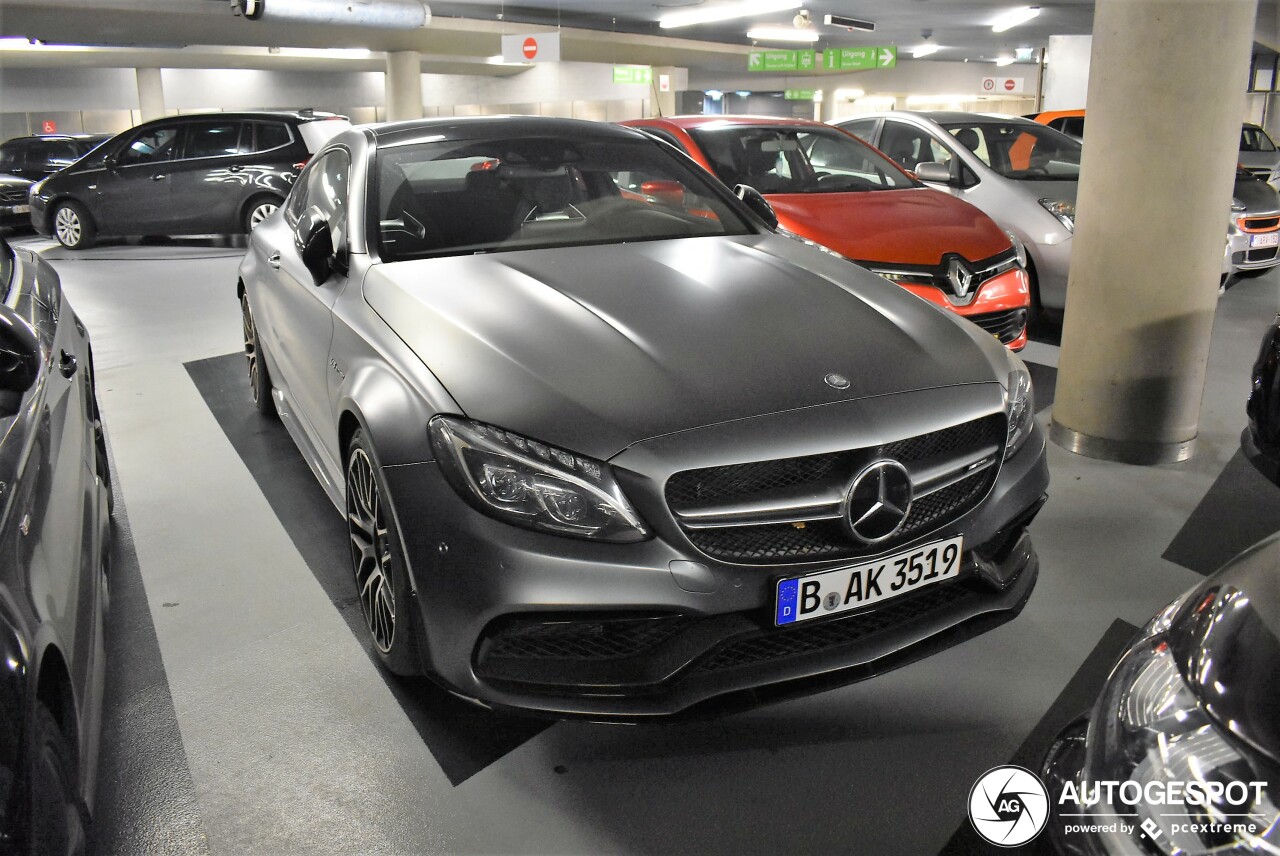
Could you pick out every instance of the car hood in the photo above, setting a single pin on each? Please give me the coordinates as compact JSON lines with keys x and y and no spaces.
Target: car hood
{"x":11,"y":181}
{"x":1227,"y":641}
{"x":598,"y":347}
{"x":914,"y":226}
{"x":1256,"y":195}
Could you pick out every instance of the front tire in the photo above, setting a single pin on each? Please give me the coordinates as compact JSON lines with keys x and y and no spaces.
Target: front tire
{"x":57,"y":818}
{"x":259,"y":209}
{"x":72,"y":226}
{"x":381,"y":580}
{"x":259,"y":378}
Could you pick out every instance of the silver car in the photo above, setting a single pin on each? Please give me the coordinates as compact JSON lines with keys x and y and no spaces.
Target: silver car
{"x":606,"y":444}
{"x":1253,"y":229}
{"x":1258,"y":154}
{"x":1021,"y":174}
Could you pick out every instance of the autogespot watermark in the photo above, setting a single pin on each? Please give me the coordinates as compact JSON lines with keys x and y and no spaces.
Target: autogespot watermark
{"x":1008,"y":806}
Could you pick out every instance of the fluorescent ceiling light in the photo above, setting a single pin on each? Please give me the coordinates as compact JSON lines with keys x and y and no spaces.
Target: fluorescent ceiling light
{"x":781,"y":34}
{"x":1013,"y":18}
{"x":725,"y":12}
{"x":325,"y":53}
{"x":1004,"y":60}
{"x":924,"y":50}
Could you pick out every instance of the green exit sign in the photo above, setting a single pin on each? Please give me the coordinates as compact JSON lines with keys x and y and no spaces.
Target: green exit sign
{"x":782,"y":61}
{"x":633,"y":74}
{"x":860,"y":59}
{"x":798,"y":95}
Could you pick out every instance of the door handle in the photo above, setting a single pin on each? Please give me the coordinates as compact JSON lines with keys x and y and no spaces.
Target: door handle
{"x":67,"y":364}
{"x":160,"y":177}
{"x":274,"y":260}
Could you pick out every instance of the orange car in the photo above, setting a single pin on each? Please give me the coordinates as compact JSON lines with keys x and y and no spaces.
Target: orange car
{"x":1069,"y":122}
{"x":829,"y":187}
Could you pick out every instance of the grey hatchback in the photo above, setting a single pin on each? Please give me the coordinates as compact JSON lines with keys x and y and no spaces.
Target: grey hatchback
{"x":220,"y":173}
{"x":606,"y":444}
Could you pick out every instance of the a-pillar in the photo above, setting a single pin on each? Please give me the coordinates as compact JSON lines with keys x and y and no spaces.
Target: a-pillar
{"x":404,"y":86}
{"x":1150,"y":225}
{"x":150,"y":93}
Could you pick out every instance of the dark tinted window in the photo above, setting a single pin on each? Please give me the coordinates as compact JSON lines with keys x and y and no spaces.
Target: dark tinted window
{"x":270,"y":135}
{"x":1254,"y":139}
{"x":12,"y":156}
{"x":211,"y":139}
{"x":469,"y":196}
{"x":54,"y":155}
{"x":779,"y":159}
{"x":153,"y":144}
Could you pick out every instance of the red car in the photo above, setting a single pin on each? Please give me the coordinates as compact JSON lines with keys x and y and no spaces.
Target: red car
{"x":833,"y":189}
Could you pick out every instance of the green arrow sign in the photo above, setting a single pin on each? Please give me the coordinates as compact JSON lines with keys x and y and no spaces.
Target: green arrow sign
{"x":860,"y":59}
{"x":781,"y":61}
{"x":633,"y":74}
{"x":798,"y":95}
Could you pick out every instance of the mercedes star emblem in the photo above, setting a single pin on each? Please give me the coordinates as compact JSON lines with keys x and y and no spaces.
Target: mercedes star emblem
{"x":836,"y":381}
{"x":879,"y":501}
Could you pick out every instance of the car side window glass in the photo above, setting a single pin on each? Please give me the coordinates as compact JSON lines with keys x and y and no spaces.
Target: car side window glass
{"x":270,"y":135}
{"x":910,"y":146}
{"x":213,"y":139}
{"x":151,"y":146}
{"x":55,"y":156}
{"x":326,"y":189}
{"x":863,"y":129}
{"x":10,"y":158}
{"x":973,"y":139}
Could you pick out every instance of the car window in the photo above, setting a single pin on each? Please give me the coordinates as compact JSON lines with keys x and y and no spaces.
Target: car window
{"x":1254,"y":139}
{"x":326,"y":189}
{"x":469,"y":196}
{"x":54,"y":155}
{"x":151,"y":145}
{"x":12,"y":156}
{"x":910,"y":146}
{"x":1021,"y":150}
{"x":213,"y":139}
{"x":863,"y":129}
{"x":804,"y":159}
{"x":270,"y":135}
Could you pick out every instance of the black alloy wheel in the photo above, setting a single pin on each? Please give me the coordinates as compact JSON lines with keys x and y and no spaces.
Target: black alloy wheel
{"x":380,"y":581}
{"x":57,"y":818}
{"x":259,"y":379}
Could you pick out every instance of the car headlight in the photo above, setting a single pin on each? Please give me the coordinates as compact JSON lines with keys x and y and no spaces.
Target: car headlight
{"x":1187,"y":788}
{"x":531,"y":484}
{"x":1064,"y":211}
{"x":1020,"y":407}
{"x":905,"y":277}
{"x":1019,"y":248}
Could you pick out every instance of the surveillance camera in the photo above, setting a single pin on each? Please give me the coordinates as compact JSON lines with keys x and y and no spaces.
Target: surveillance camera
{"x":802,"y":19}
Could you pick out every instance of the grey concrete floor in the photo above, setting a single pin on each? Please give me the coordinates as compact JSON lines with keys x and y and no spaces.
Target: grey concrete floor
{"x":285,"y":737}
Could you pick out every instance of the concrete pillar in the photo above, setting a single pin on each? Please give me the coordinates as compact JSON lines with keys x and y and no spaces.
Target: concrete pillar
{"x":404,"y":86}
{"x":150,"y":93}
{"x":1166,"y":92}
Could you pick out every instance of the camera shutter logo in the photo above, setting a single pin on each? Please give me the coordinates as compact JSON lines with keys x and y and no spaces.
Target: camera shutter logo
{"x":1008,"y":806}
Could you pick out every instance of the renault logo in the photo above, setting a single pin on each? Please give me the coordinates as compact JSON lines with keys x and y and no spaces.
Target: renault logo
{"x":961,"y":277}
{"x":878,"y":502}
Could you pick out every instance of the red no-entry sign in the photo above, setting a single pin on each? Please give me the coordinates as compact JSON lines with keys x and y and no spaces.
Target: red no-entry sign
{"x":530,"y":47}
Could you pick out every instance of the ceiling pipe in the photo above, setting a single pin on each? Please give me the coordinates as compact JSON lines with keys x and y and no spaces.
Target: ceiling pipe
{"x":383,"y":14}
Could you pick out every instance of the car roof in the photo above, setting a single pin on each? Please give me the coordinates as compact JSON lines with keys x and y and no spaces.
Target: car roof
{"x":705,"y":121}
{"x":61,"y":138}
{"x":476,"y":127}
{"x":943,"y":117}
{"x":295,"y":115}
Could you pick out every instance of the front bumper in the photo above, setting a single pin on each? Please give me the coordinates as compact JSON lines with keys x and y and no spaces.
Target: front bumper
{"x":524,"y":620}
{"x":39,"y":216}
{"x":1002,"y":306}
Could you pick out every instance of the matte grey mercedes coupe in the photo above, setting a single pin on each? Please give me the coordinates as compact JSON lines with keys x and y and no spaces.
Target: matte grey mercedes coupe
{"x":607,"y":445}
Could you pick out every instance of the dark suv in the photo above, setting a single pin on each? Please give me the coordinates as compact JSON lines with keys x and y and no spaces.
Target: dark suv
{"x":220,"y":173}
{"x":27,"y":159}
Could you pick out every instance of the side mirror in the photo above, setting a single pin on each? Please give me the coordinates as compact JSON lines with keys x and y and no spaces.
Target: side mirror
{"x":315,"y":243}
{"x":19,"y":360}
{"x":757,"y":203}
{"x":110,"y":161}
{"x":933,"y":171}
{"x":669,"y":193}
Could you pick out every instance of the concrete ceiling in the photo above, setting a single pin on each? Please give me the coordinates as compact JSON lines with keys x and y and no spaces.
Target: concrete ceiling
{"x":178,"y":33}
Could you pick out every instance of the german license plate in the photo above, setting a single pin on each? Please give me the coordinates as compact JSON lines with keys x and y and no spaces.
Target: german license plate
{"x":16,"y":209}
{"x":845,"y":589}
{"x":1267,"y":239}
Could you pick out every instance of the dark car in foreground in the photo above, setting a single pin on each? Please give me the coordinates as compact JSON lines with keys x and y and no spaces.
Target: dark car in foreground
{"x":54,"y":537}
{"x":612,"y":454}
{"x":219,"y":173}
{"x":1181,"y":753}
{"x":24,"y":160}
{"x":1261,"y":439}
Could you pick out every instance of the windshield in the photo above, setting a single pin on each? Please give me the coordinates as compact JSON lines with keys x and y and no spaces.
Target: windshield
{"x":475,"y":196}
{"x":1022,"y":150}
{"x":796,"y":160}
{"x":1254,"y":139}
